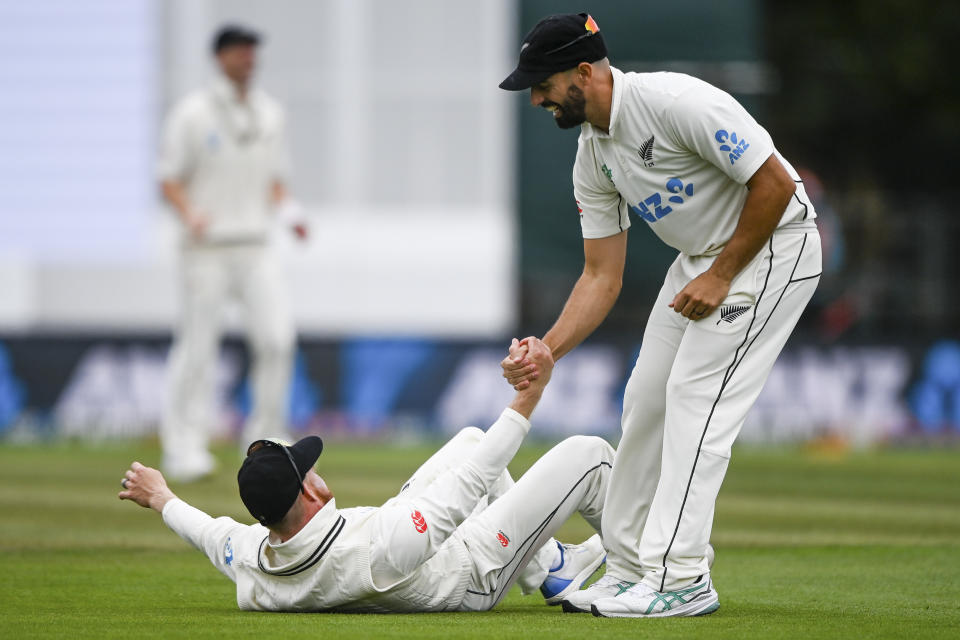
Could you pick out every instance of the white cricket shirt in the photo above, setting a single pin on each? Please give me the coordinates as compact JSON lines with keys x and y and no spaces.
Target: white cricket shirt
{"x":227,"y":153}
{"x":407,"y":555}
{"x":678,"y":155}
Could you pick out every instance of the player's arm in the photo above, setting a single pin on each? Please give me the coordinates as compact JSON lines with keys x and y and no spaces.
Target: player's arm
{"x":175,"y":193}
{"x":288,"y":209}
{"x":174,"y":166}
{"x":711,"y":124}
{"x":589,"y":303}
{"x":409,"y":531}
{"x":148,"y":488}
{"x":593,"y":295}
{"x":604,"y":220}
{"x":770,"y":190}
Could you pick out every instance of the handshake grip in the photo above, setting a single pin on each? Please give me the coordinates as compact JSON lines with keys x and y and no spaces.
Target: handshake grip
{"x":528,"y":365}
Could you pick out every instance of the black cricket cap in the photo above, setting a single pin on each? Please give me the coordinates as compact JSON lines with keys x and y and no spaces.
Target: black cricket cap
{"x":233,"y":34}
{"x":271,"y":476}
{"x":555,"y":44}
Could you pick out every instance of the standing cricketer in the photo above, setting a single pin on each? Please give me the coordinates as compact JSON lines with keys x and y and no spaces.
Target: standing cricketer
{"x":688,"y":160}
{"x":223,"y":169}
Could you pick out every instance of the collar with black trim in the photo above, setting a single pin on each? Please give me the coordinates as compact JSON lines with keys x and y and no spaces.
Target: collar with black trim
{"x":306,"y":548}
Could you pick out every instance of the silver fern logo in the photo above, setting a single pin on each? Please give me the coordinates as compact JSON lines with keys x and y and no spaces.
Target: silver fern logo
{"x":731,"y":312}
{"x":646,"y":152}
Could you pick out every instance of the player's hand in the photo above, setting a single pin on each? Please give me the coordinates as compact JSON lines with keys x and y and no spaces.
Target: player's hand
{"x":517,"y":368}
{"x":291,"y":214}
{"x":301,"y":231}
{"x":540,"y":355}
{"x":701,"y":296}
{"x":197,"y":224}
{"x":146,"y":486}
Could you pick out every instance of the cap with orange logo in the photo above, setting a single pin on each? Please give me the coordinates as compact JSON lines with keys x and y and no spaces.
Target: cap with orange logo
{"x":555,"y":44}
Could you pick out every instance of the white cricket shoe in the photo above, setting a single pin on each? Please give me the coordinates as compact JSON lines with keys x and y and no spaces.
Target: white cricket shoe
{"x":577,"y":564}
{"x":641,"y":601}
{"x":606,"y":587}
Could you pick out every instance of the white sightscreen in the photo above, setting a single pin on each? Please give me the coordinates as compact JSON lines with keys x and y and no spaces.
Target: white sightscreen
{"x":77,"y":89}
{"x":401,"y":145}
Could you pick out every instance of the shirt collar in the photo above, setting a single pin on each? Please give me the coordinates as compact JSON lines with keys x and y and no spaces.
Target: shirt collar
{"x":226,"y":91}
{"x":590,"y":131}
{"x":283,"y":555}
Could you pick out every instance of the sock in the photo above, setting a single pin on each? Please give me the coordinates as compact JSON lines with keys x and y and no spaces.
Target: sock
{"x":559,"y":561}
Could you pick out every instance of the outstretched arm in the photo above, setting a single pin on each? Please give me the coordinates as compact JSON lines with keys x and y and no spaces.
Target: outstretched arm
{"x":589,"y":303}
{"x":148,"y":488}
{"x":410,"y":531}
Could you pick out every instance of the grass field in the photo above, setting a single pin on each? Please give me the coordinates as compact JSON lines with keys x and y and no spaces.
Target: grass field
{"x":808,"y":546}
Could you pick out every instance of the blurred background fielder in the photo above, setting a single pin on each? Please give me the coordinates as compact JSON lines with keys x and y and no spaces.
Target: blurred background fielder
{"x":224,"y":169}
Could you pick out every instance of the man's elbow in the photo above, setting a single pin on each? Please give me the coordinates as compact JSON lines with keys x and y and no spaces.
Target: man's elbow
{"x":773,"y":179}
{"x":786,"y":186}
{"x":603,"y":281}
{"x":616,"y":285}
{"x":612,"y":285}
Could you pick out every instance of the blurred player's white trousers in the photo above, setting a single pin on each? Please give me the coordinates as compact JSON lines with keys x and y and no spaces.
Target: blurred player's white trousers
{"x":509,"y":535}
{"x":210,"y":278}
{"x":685,"y":403}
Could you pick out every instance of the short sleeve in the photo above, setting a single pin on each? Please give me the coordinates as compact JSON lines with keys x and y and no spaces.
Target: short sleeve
{"x":175,"y":162}
{"x":603,"y":211}
{"x":716,"y":127}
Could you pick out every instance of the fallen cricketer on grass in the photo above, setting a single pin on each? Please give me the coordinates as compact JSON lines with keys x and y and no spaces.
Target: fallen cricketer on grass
{"x":456,"y":537}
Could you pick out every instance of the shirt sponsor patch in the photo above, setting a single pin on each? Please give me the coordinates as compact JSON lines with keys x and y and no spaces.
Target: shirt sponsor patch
{"x":502,"y":538}
{"x":419,"y":522}
{"x":729,"y":142}
{"x":228,"y":552}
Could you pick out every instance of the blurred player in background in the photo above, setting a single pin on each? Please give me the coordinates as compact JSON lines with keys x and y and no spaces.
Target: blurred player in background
{"x":689,"y":160}
{"x":223,"y":168}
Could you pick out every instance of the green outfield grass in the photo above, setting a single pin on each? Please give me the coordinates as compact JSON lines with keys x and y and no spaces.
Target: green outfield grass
{"x":809,"y":545}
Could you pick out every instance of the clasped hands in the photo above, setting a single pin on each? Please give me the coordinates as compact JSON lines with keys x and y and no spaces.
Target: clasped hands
{"x":529,"y":364}
{"x":524,"y":364}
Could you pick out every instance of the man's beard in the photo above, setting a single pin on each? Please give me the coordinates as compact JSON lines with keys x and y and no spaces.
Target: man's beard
{"x":572,"y":110}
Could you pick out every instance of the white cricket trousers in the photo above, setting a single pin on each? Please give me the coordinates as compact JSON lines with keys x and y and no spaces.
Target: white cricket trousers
{"x":685,"y":402}
{"x":210,"y":277}
{"x":509,"y":535}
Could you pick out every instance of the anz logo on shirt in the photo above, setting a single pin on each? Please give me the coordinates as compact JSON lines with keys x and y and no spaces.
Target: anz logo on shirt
{"x":731,"y":144}
{"x":228,"y":552}
{"x":653,"y":207}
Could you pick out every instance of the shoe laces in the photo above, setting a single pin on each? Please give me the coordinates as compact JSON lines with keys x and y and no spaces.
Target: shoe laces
{"x":607,"y":580}
{"x":639,"y":590}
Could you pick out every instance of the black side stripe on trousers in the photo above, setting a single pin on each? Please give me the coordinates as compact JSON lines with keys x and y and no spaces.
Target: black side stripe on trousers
{"x":737,"y":359}
{"x":806,"y":278}
{"x":806,"y":210}
{"x":790,"y":280}
{"x":314,"y":558}
{"x":543,"y":525}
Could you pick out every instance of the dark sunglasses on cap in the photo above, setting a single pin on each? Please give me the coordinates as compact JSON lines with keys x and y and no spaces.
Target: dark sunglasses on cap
{"x":261,"y":444}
